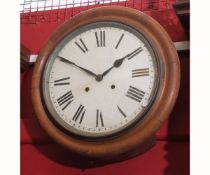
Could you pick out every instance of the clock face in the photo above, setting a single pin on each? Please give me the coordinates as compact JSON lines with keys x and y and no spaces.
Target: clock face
{"x":100,"y":80}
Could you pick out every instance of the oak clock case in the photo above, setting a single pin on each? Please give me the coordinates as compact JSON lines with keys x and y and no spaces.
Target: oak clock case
{"x":105,"y":81}
{"x":100,"y":110}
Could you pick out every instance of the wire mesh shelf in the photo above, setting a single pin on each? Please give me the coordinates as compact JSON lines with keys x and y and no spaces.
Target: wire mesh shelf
{"x":46,"y":11}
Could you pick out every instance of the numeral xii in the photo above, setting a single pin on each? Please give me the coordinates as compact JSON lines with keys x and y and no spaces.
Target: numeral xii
{"x":100,"y":39}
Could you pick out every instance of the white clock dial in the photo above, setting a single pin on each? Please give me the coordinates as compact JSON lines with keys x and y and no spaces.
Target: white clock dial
{"x":101,"y":79}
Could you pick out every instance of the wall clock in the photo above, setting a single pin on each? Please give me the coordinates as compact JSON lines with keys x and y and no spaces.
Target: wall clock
{"x":105,"y":81}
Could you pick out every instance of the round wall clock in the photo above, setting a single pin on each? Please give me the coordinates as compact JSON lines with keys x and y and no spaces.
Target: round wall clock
{"x":105,"y":81}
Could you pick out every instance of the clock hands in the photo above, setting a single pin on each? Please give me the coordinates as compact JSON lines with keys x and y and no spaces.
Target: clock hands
{"x":98,"y":77}
{"x":85,"y":70}
{"x":119,"y":62}
{"x":116,"y":64}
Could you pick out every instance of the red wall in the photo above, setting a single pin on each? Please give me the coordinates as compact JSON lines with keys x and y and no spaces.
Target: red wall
{"x":41,"y":156}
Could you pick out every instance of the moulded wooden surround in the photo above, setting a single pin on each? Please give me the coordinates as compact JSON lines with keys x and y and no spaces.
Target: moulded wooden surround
{"x":136,"y":139}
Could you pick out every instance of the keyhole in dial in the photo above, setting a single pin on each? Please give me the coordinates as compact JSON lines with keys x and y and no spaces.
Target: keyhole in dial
{"x":112,"y":86}
{"x":87,"y":89}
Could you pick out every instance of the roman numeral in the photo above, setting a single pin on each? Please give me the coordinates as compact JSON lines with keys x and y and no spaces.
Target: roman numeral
{"x":99,"y":118}
{"x":135,"y":94}
{"x":62,"y":81}
{"x":135,"y":52}
{"x":82,"y":45}
{"x":140,"y":72}
{"x":79,"y":114}
{"x":119,"y":41}
{"x":121,"y":111}
{"x":65,"y":99}
{"x":101,"y":39}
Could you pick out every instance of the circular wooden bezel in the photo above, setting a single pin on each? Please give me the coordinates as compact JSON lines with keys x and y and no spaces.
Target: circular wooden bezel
{"x":162,"y":105}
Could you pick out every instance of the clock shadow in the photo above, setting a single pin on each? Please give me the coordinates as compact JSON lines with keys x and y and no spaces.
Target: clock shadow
{"x":58,"y":154}
{"x":53,"y":151}
{"x":177,"y":145}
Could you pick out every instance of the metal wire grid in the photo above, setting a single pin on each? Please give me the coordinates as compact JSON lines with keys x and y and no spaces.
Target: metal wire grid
{"x":45,"y":11}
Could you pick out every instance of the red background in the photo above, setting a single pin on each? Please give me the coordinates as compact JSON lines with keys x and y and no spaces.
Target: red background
{"x":41,"y":156}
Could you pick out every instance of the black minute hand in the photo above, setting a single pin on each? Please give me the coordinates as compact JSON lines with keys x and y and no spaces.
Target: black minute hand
{"x":118,"y":62}
{"x":69,"y":62}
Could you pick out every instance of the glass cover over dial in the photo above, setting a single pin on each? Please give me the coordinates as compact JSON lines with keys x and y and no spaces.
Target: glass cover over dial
{"x":100,"y":79}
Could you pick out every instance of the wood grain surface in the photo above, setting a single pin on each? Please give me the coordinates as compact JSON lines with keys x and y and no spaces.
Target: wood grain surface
{"x":134,"y":140}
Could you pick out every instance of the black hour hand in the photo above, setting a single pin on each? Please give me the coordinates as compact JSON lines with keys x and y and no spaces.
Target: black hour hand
{"x":119,"y":62}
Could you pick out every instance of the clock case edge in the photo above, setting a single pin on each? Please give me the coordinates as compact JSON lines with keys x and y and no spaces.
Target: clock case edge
{"x":141,"y":137}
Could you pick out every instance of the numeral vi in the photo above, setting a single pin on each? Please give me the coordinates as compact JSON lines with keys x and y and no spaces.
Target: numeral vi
{"x":99,"y":118}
